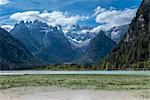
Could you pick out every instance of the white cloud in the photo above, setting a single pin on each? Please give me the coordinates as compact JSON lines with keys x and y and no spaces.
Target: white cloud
{"x":51,"y":18}
{"x":109,"y":18}
{"x":7,"y":27}
{"x":99,"y":10}
{"x":3,"y":2}
{"x":100,"y":27}
{"x":96,"y":29}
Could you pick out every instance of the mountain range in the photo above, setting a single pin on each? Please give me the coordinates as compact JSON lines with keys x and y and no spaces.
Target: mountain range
{"x":45,"y":42}
{"x":37,"y":43}
{"x":52,"y":45}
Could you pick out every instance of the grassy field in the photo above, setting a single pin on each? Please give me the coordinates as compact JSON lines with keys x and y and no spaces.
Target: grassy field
{"x":103,"y":82}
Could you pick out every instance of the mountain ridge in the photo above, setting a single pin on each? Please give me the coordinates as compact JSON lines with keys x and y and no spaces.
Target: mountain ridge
{"x":133,"y":50}
{"x":50,"y":43}
{"x":13,"y":53}
{"x":98,"y":48}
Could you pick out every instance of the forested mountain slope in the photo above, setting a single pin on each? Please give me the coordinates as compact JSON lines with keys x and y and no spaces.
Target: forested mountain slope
{"x":134,"y":49}
{"x":13,"y":54}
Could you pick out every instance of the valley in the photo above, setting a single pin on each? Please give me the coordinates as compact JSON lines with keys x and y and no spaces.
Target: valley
{"x":38,"y":40}
{"x":75,"y":50}
{"x":78,"y":47}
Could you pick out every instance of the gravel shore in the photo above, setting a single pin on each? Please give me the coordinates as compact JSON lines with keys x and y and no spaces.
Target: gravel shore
{"x":53,"y":93}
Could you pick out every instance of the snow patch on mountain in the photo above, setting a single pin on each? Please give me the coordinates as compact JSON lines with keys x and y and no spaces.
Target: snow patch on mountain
{"x":79,"y":36}
{"x":116,"y":33}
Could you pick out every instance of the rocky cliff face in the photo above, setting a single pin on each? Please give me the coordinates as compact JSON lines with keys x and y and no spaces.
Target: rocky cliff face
{"x":134,"y":49}
{"x":117,"y":33}
{"x":46,"y":42}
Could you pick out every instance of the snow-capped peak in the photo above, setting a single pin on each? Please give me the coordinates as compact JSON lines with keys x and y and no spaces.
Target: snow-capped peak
{"x":78,"y":36}
{"x":116,"y":33}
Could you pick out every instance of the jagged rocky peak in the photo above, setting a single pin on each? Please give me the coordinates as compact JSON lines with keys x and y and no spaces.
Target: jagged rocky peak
{"x":38,"y":25}
{"x":140,"y":24}
{"x":20,"y":29}
{"x":35,"y":23}
{"x":28,"y":22}
{"x":46,"y":42}
{"x":20,"y":24}
{"x":79,"y":36}
{"x":116,"y":33}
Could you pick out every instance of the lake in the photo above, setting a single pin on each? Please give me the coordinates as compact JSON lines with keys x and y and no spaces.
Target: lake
{"x":45,"y":72}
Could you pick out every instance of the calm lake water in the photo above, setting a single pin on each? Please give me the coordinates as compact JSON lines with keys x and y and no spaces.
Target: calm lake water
{"x":32,"y":72}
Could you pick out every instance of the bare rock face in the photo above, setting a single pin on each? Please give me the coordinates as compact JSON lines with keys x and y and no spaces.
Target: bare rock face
{"x":140,"y":23}
{"x":45,"y":42}
{"x":117,"y":33}
{"x":134,"y":49}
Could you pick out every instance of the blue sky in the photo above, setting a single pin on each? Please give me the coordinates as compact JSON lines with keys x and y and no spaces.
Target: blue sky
{"x":67,"y":12}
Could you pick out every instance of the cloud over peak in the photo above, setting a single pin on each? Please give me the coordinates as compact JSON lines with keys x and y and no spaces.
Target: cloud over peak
{"x":51,"y":18}
{"x":105,"y":17}
{"x":111,"y":17}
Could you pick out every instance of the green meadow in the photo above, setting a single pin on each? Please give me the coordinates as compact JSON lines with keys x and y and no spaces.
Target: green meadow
{"x":97,"y":82}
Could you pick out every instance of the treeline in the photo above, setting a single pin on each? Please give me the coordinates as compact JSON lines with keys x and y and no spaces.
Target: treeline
{"x":106,"y":66}
{"x":135,"y":55}
{"x":142,"y":65}
{"x":66,"y":67}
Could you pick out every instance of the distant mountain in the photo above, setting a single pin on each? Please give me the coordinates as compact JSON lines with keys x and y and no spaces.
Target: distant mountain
{"x":98,"y":48}
{"x":13,"y":54}
{"x":22,"y":33}
{"x":52,"y":45}
{"x":46,"y":42}
{"x":134,"y":49}
{"x":117,"y":33}
{"x":79,"y":36}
